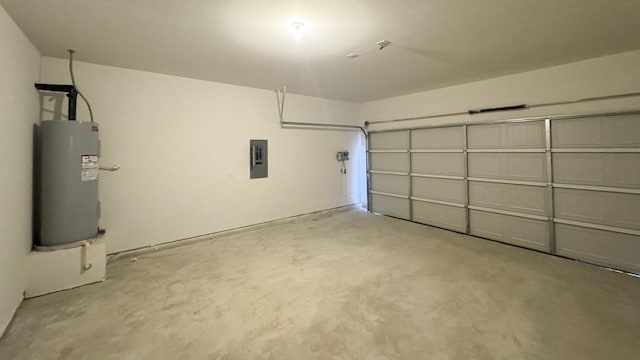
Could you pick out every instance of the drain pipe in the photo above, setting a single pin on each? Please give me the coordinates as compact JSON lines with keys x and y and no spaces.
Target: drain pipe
{"x":280,"y":95}
{"x":84,"y":256}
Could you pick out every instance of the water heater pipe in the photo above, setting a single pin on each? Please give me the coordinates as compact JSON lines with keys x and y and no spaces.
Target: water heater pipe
{"x":73,"y":82}
{"x":109,"y":168}
{"x":71,"y":92}
{"x":86,"y":265}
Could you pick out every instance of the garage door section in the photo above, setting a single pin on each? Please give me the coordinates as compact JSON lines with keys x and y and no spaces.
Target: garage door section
{"x":567,"y":186}
{"x":438,"y":189}
{"x":508,"y":187}
{"x":596,"y":169}
{"x":389,"y":165}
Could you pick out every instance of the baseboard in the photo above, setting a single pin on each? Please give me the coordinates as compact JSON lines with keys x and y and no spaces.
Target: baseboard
{"x":190,"y":240}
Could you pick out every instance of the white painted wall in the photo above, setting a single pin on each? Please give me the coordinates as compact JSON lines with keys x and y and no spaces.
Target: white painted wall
{"x":610,"y":75}
{"x":19,"y":69}
{"x":183,"y":148}
{"x":182,"y":143}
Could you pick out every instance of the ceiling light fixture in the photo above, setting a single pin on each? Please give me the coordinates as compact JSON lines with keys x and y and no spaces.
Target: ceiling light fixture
{"x":298,"y":29}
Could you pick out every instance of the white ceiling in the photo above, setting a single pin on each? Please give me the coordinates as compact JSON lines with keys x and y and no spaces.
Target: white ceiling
{"x":436,"y":43}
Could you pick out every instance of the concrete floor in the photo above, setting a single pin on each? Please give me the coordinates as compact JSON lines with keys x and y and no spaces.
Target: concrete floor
{"x":347,"y":285}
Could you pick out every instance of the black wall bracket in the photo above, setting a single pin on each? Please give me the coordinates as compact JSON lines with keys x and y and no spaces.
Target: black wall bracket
{"x":71,"y":92}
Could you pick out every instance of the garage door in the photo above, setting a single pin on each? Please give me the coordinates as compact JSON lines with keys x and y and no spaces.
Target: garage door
{"x":568,"y":186}
{"x":596,"y":175}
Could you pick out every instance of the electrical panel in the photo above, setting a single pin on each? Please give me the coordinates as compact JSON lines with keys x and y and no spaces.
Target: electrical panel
{"x":258,"y":160}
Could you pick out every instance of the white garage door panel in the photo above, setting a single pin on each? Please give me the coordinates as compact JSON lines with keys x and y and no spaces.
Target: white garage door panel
{"x":594,"y":166}
{"x":393,"y":184}
{"x":447,"y":217}
{"x":443,"y":138}
{"x":390,"y":206}
{"x":621,"y":251}
{"x":513,"y":166}
{"x":613,"y":131}
{"x":604,"y":208}
{"x":518,"y":198}
{"x":396,"y":162}
{"x":507,"y":136}
{"x":396,"y":140}
{"x":528,"y":233}
{"x":618,"y":170}
{"x":450,"y":164}
{"x":439,"y":189}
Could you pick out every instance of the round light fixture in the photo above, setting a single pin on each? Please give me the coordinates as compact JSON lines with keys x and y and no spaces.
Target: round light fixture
{"x":298,"y":29}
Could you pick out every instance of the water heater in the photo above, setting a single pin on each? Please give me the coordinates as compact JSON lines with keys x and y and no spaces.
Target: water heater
{"x":69,"y":207}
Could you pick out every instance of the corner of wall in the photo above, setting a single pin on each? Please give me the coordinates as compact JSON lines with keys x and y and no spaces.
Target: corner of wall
{"x":20,"y":61}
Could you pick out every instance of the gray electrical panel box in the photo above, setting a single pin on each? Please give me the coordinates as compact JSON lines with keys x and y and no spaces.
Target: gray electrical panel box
{"x":69,"y":207}
{"x":258,"y":164}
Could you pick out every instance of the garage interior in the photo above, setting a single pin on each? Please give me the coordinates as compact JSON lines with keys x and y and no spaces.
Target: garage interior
{"x":332,"y":180}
